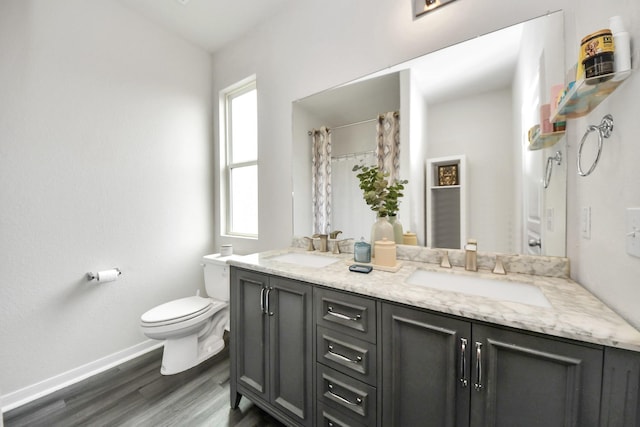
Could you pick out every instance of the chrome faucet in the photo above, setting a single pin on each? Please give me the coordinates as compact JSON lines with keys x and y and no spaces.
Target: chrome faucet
{"x":471,"y":255}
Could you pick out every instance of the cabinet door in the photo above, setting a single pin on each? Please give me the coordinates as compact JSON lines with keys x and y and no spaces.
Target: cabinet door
{"x":425,"y":370}
{"x":291,"y":351}
{"x":522,"y":380}
{"x":249,"y":331}
{"x":620,"y":389}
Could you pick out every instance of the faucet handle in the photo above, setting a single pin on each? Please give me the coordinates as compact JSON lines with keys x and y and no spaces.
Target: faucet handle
{"x":499,"y":267}
{"x":444,"y":261}
{"x":334,"y":234}
{"x":310,"y":244}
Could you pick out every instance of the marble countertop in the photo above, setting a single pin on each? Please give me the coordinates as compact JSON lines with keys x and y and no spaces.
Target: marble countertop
{"x":575,"y":313}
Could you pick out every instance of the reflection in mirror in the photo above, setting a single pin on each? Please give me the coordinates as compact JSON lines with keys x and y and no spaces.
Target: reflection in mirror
{"x":475,"y":100}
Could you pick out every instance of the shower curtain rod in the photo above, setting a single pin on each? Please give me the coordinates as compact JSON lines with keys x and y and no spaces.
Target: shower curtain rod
{"x":349,"y":155}
{"x":349,"y":124}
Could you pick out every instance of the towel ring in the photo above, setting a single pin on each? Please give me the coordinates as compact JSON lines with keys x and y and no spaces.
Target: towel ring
{"x":604,"y":131}
{"x":547,"y":173}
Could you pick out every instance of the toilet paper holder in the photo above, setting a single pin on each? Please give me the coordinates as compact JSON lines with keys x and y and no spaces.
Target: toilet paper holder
{"x":95,"y":276}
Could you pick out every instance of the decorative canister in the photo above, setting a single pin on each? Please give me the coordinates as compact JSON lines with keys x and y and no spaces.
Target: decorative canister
{"x":385,"y":250}
{"x":596,"y":55}
{"x":409,"y":238}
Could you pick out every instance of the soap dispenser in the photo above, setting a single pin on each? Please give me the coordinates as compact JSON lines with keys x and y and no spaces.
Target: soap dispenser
{"x":362,"y":251}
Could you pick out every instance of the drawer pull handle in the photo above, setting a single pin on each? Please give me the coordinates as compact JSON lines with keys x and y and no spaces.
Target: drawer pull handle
{"x":463,"y":362}
{"x":478,"y":384}
{"x":342,"y":357}
{"x":342,"y":316}
{"x":268,"y":301}
{"x":358,"y":401}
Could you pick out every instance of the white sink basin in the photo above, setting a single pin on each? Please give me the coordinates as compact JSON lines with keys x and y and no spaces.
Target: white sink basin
{"x":496,"y":289}
{"x":306,"y":260}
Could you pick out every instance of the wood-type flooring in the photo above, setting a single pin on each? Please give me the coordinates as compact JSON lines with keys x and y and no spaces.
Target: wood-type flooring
{"x":136,"y":394}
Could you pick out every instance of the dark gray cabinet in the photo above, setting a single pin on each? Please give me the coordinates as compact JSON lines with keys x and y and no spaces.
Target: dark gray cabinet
{"x":271,"y":345}
{"x":439,"y":371}
{"x":346,"y":356}
{"x":425,"y":369}
{"x":316,"y":356}
{"x":620,"y":389}
{"x":530,"y":381}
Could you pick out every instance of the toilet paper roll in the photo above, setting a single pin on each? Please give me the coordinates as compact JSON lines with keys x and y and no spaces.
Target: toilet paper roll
{"x":226,"y":250}
{"x":108,"y":275}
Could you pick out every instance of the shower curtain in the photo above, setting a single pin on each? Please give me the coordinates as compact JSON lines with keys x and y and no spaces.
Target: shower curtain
{"x":388,"y":147}
{"x":321,"y":180}
{"x":351,"y":214}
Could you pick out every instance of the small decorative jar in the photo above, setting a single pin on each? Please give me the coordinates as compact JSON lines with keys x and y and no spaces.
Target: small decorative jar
{"x":409,"y":238}
{"x":385,"y":251}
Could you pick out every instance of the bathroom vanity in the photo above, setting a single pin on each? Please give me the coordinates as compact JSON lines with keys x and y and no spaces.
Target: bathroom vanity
{"x":316,"y":345}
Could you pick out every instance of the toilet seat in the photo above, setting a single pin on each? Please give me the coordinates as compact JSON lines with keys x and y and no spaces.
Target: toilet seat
{"x":180,"y":310}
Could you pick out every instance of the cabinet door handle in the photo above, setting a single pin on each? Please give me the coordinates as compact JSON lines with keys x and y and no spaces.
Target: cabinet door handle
{"x":344,"y":358}
{"x":463,"y":362}
{"x":268,"y":299}
{"x":342,"y":316}
{"x":358,"y":401}
{"x":478,"y":383}
{"x":262,"y":302}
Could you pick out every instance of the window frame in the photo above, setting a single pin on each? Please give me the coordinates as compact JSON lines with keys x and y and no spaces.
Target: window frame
{"x":227,"y":163}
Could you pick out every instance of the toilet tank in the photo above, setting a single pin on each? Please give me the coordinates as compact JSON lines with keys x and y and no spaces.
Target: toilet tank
{"x":216,"y":276}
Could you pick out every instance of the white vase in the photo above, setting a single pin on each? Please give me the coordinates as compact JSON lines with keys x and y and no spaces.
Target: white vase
{"x":397,"y":229}
{"x":381,"y":228}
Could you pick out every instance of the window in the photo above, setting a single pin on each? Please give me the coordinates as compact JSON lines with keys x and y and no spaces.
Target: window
{"x":241,"y":168}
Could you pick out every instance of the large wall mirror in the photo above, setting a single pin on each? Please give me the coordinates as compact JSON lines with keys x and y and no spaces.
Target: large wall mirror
{"x":475,"y":100}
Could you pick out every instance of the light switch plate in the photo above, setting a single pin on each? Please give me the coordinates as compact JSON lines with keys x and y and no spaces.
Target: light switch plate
{"x":550,"y":219}
{"x":585,"y":222}
{"x":633,"y":231}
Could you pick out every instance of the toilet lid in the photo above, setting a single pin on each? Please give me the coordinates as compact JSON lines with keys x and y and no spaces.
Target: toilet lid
{"x":174,"y":310}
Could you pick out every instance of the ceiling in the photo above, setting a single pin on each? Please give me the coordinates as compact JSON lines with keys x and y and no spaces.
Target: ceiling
{"x":209,"y":24}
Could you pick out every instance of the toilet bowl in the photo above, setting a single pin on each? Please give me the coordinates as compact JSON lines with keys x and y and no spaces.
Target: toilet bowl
{"x":192,"y":327}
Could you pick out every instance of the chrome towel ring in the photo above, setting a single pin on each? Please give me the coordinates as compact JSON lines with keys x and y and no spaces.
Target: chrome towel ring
{"x":604,"y":131}
{"x":547,"y":173}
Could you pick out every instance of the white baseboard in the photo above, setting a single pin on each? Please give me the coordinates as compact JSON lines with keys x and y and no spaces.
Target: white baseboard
{"x":30,"y":393}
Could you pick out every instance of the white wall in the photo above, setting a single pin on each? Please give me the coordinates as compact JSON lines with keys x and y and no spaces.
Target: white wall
{"x":104,"y":156}
{"x":314,"y":46}
{"x":480,"y":127}
{"x":105,"y":132}
{"x":601,"y":263}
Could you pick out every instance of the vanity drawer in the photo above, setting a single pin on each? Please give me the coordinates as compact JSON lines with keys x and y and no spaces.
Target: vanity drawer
{"x":346,"y":354}
{"x":350,"y":314}
{"x":346,"y":395}
{"x":329,"y":417}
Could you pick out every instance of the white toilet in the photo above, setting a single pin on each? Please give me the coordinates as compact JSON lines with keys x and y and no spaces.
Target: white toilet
{"x":192,"y":327}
